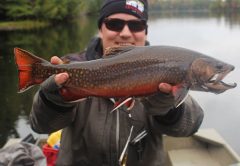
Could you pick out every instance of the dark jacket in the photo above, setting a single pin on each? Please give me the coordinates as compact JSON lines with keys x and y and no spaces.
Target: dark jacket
{"x":92,"y":136}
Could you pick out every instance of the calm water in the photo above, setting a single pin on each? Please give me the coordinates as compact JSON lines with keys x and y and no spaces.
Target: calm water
{"x":218,"y":36}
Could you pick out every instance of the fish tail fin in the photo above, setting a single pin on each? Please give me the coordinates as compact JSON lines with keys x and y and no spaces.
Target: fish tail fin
{"x":25,"y":61}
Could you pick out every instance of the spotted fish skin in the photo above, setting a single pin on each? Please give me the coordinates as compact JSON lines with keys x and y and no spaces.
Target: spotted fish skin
{"x":126,"y":71}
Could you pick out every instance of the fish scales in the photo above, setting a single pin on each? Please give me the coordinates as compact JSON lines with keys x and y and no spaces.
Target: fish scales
{"x":131,"y":71}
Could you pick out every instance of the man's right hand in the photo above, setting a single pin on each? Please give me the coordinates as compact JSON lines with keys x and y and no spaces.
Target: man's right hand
{"x":60,"y":78}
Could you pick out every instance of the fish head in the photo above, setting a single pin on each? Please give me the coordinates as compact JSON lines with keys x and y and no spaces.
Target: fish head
{"x":207,"y":75}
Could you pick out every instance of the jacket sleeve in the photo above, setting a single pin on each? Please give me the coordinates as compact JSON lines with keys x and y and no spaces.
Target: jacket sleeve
{"x":49,"y":112}
{"x":166,"y":119}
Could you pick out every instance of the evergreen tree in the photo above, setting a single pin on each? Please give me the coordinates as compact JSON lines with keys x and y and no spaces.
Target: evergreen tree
{"x":2,"y":9}
{"x":52,"y":10}
{"x":19,"y":9}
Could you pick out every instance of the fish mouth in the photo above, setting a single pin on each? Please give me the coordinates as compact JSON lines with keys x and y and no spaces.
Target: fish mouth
{"x":216,"y":83}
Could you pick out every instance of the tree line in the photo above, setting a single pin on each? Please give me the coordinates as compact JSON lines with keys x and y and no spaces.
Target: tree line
{"x":220,"y":5}
{"x":227,"y":5}
{"x":60,"y":10}
{"x":53,"y":10}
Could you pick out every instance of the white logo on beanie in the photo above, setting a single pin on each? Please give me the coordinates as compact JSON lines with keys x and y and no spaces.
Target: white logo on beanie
{"x":135,"y":5}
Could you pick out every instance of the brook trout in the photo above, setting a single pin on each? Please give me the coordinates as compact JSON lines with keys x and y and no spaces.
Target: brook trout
{"x":129,"y":72}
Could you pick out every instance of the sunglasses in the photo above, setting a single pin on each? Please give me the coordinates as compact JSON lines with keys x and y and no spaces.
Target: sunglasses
{"x":115,"y":24}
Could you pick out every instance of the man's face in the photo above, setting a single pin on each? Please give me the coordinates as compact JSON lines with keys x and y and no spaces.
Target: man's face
{"x":123,"y":38}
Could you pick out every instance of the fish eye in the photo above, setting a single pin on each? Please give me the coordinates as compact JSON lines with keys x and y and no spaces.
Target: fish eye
{"x":219,"y":66}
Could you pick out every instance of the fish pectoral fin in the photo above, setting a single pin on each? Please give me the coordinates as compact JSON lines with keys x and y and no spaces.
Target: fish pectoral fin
{"x":130,"y":104}
{"x":128,"y":101}
{"x":113,"y":51}
{"x":180,"y":93}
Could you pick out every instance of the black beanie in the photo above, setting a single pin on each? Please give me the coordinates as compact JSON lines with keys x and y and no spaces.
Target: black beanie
{"x":138,"y":8}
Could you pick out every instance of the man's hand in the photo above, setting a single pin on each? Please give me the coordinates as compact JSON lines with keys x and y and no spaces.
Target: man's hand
{"x":165,"y":88}
{"x":60,"y":78}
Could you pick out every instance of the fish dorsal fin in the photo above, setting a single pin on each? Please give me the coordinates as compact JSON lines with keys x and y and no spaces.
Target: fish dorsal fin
{"x":112,"y":51}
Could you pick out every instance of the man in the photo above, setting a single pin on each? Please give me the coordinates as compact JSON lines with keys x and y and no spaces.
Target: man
{"x":92,"y":135}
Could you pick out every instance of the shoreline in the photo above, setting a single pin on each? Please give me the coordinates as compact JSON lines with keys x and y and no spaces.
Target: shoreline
{"x":22,"y":25}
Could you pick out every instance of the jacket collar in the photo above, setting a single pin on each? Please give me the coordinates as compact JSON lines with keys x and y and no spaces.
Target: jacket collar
{"x":94,"y":49}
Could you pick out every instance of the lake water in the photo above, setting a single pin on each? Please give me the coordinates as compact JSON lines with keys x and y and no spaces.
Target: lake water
{"x":218,"y":37}
{"x":214,"y":35}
